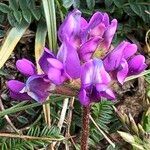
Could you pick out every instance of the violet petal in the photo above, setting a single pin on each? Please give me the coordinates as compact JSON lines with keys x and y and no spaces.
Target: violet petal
{"x":20,"y":96}
{"x":56,"y":76}
{"x":109,"y":34}
{"x":26,"y":67}
{"x":137,"y":65}
{"x":38,"y":87}
{"x":55,"y":63}
{"x":43,"y":62}
{"x":93,"y":72}
{"x":129,"y":50}
{"x":95,"y":20}
{"x":113,"y":59}
{"x":122,"y":71}
{"x":87,"y":49}
{"x":98,"y":30}
{"x":84,"y":99}
{"x":70,"y":28}
{"x":69,"y":57}
{"x":15,"y":87}
{"x":104,"y":91}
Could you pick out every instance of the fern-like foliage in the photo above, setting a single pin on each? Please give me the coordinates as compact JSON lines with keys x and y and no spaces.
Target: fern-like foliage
{"x":105,"y":118}
{"x":24,"y":144}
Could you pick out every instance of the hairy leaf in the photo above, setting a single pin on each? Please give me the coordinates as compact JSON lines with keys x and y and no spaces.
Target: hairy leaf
{"x":90,"y":4}
{"x":4,"y":8}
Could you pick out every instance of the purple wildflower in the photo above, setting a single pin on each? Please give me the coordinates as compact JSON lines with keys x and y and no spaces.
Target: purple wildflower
{"x":81,"y":34}
{"x":36,"y":87}
{"x":121,"y":62}
{"x":94,"y":82}
{"x":66,"y":65}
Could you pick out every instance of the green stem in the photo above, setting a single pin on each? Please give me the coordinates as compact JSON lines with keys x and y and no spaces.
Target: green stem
{"x":138,"y":3}
{"x":12,"y":110}
{"x":137,"y":76}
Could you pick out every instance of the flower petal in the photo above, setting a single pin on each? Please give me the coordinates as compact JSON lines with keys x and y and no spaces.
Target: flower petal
{"x":55,"y":63}
{"x":56,"y":76}
{"x":130,"y":50}
{"x":70,"y":28}
{"x":44,"y":64}
{"x":38,"y":87}
{"x":137,"y":65}
{"x":105,"y":19}
{"x":69,"y":57}
{"x":113,"y":59}
{"x":93,"y":72}
{"x":19,"y":96}
{"x":108,"y":35}
{"x":87,"y":49}
{"x":122,"y":73}
{"x":95,"y":20}
{"x":15,"y":87}
{"x":83,"y":23}
{"x":104,"y":91}
{"x":26,"y":67}
{"x":98,"y":30}
{"x":84,"y":100}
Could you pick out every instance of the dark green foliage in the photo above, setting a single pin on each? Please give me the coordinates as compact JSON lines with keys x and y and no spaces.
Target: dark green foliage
{"x":133,"y":15}
{"x":69,"y":3}
{"x":102,"y":113}
{"x":117,"y":147}
{"x":146,"y":123}
{"x":90,"y":4}
{"x":22,"y":119}
{"x":23,"y":144}
{"x":4,"y":8}
{"x":18,"y":11}
{"x":13,"y":4}
{"x":105,"y":118}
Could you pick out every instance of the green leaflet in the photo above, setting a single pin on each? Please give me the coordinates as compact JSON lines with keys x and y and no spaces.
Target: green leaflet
{"x":4,"y":8}
{"x":45,"y":136}
{"x":90,"y":4}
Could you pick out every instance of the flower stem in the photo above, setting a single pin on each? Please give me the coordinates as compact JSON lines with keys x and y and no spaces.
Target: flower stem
{"x":85,"y":128}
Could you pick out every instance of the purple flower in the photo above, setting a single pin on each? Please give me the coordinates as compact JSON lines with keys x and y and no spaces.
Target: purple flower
{"x":121,"y":62}
{"x":94,"y":82}
{"x":99,"y":25}
{"x":66,"y":65}
{"x":26,"y":67}
{"x":36,"y":87}
{"x":15,"y":87}
{"x":70,"y":28}
{"x":87,"y":37}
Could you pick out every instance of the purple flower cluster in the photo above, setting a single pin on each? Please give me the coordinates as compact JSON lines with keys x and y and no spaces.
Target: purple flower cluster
{"x":80,"y":39}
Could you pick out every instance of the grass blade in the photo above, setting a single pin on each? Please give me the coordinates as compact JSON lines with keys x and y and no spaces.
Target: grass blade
{"x":40,"y":41}
{"x":50,"y":15}
{"x":11,"y":41}
{"x":39,"y":46}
